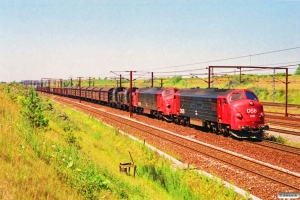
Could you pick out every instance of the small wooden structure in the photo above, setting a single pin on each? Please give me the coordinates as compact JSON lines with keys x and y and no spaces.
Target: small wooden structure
{"x":125,"y":167}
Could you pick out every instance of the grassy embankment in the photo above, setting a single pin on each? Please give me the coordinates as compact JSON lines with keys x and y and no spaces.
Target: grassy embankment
{"x":76,"y":157}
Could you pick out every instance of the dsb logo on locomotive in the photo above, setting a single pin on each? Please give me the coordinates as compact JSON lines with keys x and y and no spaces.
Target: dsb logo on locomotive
{"x":251,"y":110}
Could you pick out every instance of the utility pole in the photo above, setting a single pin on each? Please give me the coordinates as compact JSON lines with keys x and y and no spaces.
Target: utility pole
{"x":130,"y":95}
{"x":121,"y":79}
{"x":130,"y":105}
{"x":79,"y":89}
{"x":240,"y":75}
{"x":60,"y":86}
{"x":152,"y":79}
{"x":273,"y":86}
{"x":212,"y":77}
{"x":71,"y":81}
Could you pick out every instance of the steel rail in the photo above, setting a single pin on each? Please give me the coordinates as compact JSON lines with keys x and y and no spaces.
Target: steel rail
{"x":276,"y":145}
{"x":289,"y":132}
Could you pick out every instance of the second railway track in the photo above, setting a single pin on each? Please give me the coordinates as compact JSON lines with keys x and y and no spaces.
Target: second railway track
{"x":277,"y":146}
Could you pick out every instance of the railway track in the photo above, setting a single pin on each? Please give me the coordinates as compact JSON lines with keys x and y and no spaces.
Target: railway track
{"x":277,"y":146}
{"x":281,"y":118}
{"x":286,"y":125}
{"x":285,"y":131}
{"x":280,"y":104}
{"x":283,"y":179}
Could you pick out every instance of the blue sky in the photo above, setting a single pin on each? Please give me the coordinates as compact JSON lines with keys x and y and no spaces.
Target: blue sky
{"x":59,"y":39}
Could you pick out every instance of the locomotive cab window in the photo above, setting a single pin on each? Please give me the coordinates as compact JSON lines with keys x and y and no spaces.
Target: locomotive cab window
{"x":251,"y":95}
{"x":236,"y":96}
{"x":167,"y":93}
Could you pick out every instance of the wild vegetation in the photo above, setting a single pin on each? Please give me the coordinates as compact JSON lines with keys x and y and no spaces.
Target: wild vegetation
{"x":49,"y":151}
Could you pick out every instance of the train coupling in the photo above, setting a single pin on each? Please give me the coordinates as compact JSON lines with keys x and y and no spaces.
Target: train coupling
{"x":245,"y":128}
{"x":266,"y":127}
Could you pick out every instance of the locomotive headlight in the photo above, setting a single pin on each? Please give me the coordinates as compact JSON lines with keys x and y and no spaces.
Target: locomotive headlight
{"x":239,"y":115}
{"x":251,"y":103}
{"x":262,"y":114}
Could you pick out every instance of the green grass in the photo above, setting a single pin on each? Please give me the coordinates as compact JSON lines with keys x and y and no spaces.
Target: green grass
{"x":77,"y":157}
{"x":273,"y":138}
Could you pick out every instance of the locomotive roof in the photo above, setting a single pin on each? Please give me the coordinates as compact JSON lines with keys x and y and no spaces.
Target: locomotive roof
{"x":151,"y":90}
{"x":211,"y":92}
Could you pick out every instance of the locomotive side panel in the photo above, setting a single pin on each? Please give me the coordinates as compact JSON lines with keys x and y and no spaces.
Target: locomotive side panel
{"x":147,"y":100}
{"x":199,"y":108}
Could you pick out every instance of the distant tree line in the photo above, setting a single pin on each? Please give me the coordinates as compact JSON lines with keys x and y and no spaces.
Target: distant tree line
{"x":297,"y":72}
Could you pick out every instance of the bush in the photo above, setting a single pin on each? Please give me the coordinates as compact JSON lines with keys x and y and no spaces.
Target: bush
{"x":176,"y":79}
{"x":259,"y":91}
{"x":281,"y":92}
{"x":33,"y":111}
{"x":297,"y":72}
{"x":273,"y":138}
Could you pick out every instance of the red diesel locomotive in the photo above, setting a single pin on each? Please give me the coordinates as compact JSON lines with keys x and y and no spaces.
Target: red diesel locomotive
{"x":235,"y":112}
{"x":228,"y":111}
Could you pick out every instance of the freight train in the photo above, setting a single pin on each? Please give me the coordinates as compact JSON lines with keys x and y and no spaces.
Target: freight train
{"x":235,"y":112}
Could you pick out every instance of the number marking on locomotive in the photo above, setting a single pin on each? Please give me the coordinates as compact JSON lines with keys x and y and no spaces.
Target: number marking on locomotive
{"x":251,"y":110}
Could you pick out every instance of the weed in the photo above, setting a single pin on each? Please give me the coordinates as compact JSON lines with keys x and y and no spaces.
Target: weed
{"x":278,"y":139}
{"x":281,"y":92}
{"x":72,"y":140}
{"x":97,"y":135}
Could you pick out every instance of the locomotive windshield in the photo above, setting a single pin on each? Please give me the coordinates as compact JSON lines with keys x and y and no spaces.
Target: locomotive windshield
{"x":236,"y":96}
{"x":240,"y":95}
{"x":168,"y":92}
{"x":251,"y":95}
